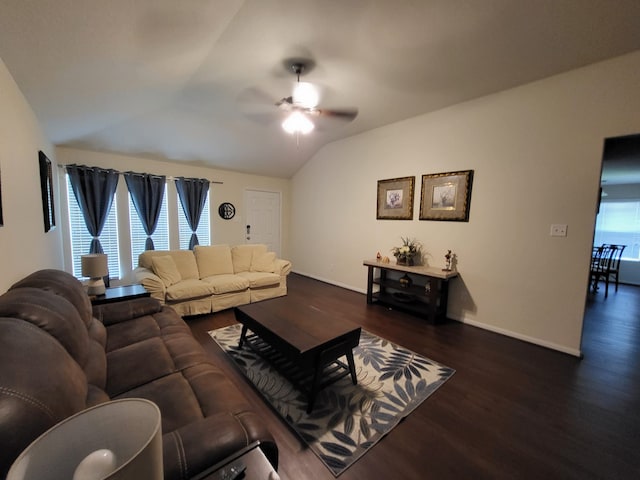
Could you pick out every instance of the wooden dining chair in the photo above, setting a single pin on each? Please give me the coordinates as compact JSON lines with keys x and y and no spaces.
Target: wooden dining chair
{"x":599,"y":260}
{"x":613,"y":270}
{"x":605,"y":265}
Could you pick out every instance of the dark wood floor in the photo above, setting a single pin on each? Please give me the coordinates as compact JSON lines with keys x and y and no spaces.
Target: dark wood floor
{"x":512,"y":410}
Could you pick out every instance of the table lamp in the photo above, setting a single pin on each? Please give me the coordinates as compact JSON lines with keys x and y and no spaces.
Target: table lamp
{"x":94,"y":266}
{"x":117,"y":440}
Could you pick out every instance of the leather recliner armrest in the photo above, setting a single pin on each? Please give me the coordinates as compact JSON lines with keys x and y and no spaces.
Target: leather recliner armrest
{"x":111,"y":313}
{"x":197,"y":446}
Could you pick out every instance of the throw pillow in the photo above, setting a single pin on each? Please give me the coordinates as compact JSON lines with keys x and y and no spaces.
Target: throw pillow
{"x":263,"y":262}
{"x":165,"y":268}
{"x":213,"y":260}
{"x":242,"y":255}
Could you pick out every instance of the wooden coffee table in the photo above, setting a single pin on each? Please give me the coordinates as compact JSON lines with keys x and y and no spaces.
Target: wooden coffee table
{"x":303,"y":341}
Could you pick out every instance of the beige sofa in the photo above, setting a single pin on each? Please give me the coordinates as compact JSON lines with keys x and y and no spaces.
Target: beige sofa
{"x":212,"y":278}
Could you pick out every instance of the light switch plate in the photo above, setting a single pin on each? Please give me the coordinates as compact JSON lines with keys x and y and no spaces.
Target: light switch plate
{"x":559,"y":230}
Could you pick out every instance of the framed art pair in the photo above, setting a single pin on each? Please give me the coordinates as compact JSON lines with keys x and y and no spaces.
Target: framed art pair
{"x":445,"y":196}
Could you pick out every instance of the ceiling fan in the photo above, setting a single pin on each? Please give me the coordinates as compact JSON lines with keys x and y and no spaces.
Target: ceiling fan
{"x":303,"y":104}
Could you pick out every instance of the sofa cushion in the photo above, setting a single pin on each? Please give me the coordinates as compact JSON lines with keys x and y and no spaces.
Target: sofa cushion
{"x":227,"y":283}
{"x":213,"y":260}
{"x":261,"y":279}
{"x":186,"y":289}
{"x":165,"y":267}
{"x":263,"y":262}
{"x":184,"y":259}
{"x":125,"y":370}
{"x":242,"y":255}
{"x":62,"y":284}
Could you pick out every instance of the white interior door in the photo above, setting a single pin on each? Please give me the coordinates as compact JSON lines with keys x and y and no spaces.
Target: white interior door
{"x":263,"y":218}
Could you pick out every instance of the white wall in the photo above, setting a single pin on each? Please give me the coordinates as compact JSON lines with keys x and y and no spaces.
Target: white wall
{"x":536,"y":151}
{"x":24,"y":246}
{"x":232,"y":190}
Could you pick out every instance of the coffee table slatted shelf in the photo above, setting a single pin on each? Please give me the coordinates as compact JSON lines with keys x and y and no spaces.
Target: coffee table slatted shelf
{"x":302,"y":379}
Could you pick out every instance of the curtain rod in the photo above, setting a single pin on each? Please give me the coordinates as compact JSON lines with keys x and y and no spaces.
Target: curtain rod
{"x":122,"y":173}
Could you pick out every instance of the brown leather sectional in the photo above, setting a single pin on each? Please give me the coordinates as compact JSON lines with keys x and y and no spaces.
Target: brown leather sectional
{"x":58,"y":356}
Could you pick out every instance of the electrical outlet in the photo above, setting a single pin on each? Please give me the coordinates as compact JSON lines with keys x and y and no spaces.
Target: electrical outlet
{"x":558,"y":230}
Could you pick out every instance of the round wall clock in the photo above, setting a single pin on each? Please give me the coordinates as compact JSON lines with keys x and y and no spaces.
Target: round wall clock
{"x":226,"y":210}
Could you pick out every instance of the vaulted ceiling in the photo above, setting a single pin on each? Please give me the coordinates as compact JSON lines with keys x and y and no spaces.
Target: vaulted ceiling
{"x":196,"y":80}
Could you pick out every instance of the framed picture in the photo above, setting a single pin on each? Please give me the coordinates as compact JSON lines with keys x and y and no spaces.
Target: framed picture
{"x":446,"y":196}
{"x":46,"y":189}
{"x":395,"y":198}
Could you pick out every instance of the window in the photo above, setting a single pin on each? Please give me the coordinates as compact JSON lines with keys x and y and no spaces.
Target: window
{"x":139,"y":237}
{"x":203,"y":230}
{"x":81,"y":238}
{"x":619,"y":223}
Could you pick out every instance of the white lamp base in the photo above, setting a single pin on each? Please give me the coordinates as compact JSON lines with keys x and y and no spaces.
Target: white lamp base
{"x":95,"y":286}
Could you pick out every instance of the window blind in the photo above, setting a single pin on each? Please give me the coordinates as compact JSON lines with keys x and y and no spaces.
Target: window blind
{"x":81,"y":238}
{"x":619,"y":223}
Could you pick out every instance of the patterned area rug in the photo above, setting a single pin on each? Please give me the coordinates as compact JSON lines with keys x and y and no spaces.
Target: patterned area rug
{"x":347,"y":420}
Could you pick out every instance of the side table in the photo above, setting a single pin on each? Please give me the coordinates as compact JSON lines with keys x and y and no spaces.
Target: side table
{"x":119,"y":294}
{"x":421,"y":290}
{"x":250,"y":461}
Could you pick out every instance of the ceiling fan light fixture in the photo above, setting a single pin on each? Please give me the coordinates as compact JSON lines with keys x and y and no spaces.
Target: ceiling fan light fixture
{"x":306,"y":95}
{"x":297,"y":123}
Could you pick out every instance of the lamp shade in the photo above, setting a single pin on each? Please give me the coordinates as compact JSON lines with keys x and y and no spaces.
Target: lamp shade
{"x":94,"y":265}
{"x":130,"y":429}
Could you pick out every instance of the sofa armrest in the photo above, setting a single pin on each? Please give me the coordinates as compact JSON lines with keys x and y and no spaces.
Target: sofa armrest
{"x":111,"y":313}
{"x":151,"y":282}
{"x":283,"y":267}
{"x":197,"y":446}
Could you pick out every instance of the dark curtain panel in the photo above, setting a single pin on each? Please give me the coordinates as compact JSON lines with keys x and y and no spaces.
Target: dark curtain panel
{"x":146,"y":192}
{"x":193,"y":195}
{"x":94,"y":189}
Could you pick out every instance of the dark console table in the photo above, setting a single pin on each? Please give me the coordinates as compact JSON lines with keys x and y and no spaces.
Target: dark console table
{"x":119,"y":294}
{"x":421,"y":290}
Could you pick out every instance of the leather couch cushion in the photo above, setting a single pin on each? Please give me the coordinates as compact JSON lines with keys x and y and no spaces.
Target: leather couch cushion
{"x":62,"y":284}
{"x":40,"y":385}
{"x":213,"y":260}
{"x":53,"y":314}
{"x":242,"y":255}
{"x":137,"y":364}
{"x":165,"y":268}
{"x":227,"y":283}
{"x":261,"y":279}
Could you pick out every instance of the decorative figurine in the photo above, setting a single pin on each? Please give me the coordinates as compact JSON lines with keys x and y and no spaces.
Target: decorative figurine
{"x":385,"y":259}
{"x":378,"y":257}
{"x":447,"y":257}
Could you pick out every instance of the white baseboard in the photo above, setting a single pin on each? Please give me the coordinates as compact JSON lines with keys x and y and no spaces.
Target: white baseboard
{"x":519,"y":336}
{"x":330,"y":282}
{"x":484,"y":326}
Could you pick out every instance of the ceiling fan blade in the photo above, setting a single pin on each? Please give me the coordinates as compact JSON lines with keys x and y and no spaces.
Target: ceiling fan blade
{"x":285,"y":102}
{"x":347,"y":114}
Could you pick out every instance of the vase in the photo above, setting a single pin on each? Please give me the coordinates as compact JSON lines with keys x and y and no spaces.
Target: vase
{"x":405,"y":261}
{"x":405,"y":281}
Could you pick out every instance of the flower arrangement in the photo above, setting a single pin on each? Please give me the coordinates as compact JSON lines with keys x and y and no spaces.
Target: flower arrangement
{"x":404,"y":254}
